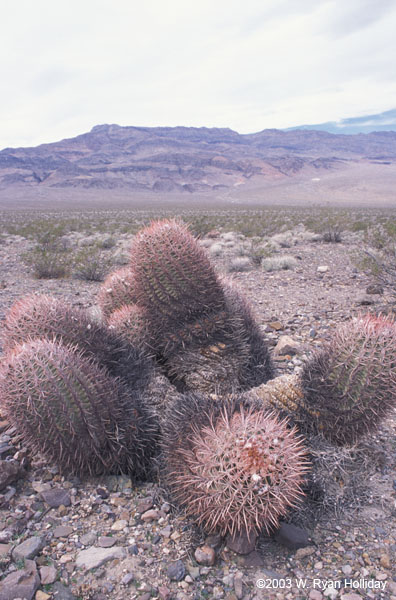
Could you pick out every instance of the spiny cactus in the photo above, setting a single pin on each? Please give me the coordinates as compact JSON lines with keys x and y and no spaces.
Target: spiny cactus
{"x":174,"y":280}
{"x":259,"y":368}
{"x":129,"y":323}
{"x":69,"y":409}
{"x":347,"y":387}
{"x":350,"y":385}
{"x":116,"y":291}
{"x":41,"y":316}
{"x":205,"y":340}
{"x":231,"y":467}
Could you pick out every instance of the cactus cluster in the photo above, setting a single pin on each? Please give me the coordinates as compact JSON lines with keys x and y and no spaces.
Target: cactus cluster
{"x":204,"y":335}
{"x":95,"y":396}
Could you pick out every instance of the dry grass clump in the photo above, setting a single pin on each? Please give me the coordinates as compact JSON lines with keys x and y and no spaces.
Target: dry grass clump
{"x":279,"y":263}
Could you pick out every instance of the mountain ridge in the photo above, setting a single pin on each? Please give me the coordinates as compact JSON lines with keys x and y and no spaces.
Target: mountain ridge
{"x":189,"y":160}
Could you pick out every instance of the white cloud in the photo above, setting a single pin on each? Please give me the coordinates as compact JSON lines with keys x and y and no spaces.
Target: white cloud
{"x":248,"y":66}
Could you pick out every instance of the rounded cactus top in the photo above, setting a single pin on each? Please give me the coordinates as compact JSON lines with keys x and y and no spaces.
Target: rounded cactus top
{"x":173,"y":275}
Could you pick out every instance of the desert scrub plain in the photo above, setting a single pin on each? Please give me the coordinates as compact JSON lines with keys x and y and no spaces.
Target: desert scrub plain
{"x":305,"y":271}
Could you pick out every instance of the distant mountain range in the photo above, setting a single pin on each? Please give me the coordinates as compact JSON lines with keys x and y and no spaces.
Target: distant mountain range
{"x":210,"y":161}
{"x":385,"y":121}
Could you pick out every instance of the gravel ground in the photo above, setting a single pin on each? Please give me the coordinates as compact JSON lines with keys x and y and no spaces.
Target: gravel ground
{"x":102,"y":538}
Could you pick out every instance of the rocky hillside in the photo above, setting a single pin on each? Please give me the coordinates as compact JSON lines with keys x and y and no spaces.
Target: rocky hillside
{"x":190,"y":160}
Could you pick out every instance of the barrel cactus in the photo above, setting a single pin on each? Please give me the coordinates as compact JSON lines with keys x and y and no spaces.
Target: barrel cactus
{"x":116,"y":291}
{"x":129,"y":323}
{"x":202,"y":339}
{"x":259,"y":368}
{"x":347,"y":387}
{"x":69,"y":409}
{"x":233,"y":468}
{"x":350,"y":385}
{"x":174,"y":280}
{"x":42,"y":316}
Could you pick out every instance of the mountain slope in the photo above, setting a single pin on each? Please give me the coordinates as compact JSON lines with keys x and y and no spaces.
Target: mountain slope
{"x":190,"y":160}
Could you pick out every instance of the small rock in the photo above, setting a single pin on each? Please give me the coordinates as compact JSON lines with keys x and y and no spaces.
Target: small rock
{"x":150,"y":515}
{"x":205,"y":555}
{"x":9,"y":473}
{"x":145,"y":504}
{"x":48,"y":575}
{"x":351,"y":596}
{"x":56,"y":497}
{"x":286,"y":345}
{"x":102,"y":492}
{"x":166,"y":532}
{"x":164,"y":593}
{"x":61,"y":592}
{"x":291,"y":536}
{"x":95,"y":557}
{"x":238,"y":585}
{"x":276,"y":325}
{"x":106,"y":542}
{"x":88,"y":538}
{"x":128,"y":577}
{"x":242,"y":542}
{"x":176,"y":571}
{"x":375,"y":288}
{"x":315,"y":595}
{"x":330,"y":592}
{"x":303,"y":552}
{"x":62,"y":531}
{"x":22,"y":583}
{"x":346,"y":569}
{"x":119,"y":525}
{"x":5,"y":549}
{"x":5,"y":535}
{"x":322,"y":269}
{"x":385,"y":561}
{"x":29,"y":548}
{"x":42,"y":595}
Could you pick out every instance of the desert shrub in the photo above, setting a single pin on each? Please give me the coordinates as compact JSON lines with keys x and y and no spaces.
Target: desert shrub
{"x":216,"y":250}
{"x":284,"y":240}
{"x":48,"y":262}
{"x":107,"y":243}
{"x":91,"y":264}
{"x":378,"y":255}
{"x":238,"y":264}
{"x":278,"y":263}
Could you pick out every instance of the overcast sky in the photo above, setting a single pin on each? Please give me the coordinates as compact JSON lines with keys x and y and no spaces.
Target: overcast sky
{"x":244,"y":64}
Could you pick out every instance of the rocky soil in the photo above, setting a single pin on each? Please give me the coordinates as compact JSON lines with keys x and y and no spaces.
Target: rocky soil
{"x":102,"y":538}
